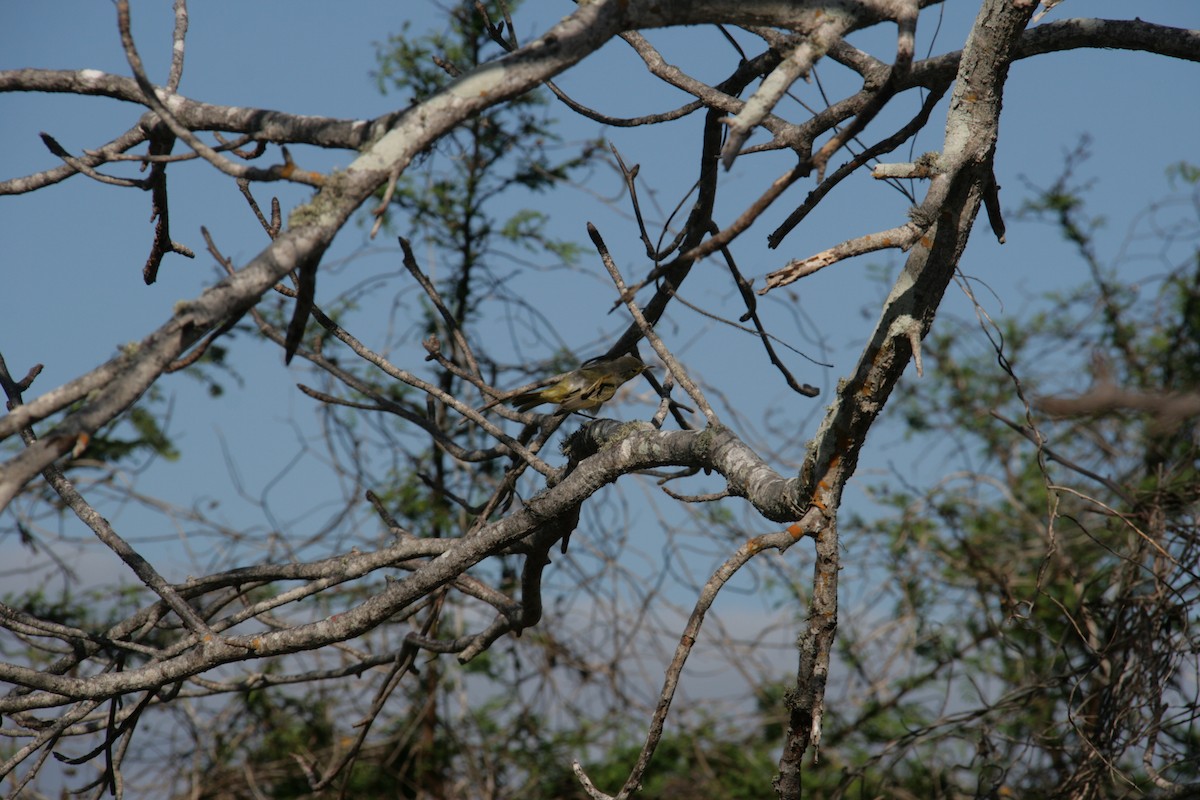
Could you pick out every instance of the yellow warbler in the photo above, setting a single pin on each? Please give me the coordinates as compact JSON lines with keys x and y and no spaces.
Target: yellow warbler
{"x":586,"y":388}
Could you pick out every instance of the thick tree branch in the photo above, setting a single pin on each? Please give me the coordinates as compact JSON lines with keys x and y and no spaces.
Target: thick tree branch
{"x":603,"y":451}
{"x":952,"y":202}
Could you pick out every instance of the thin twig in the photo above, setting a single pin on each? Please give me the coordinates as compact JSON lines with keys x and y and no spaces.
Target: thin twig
{"x":286,"y":171}
{"x":1035,"y":436}
{"x":751,"y":302}
{"x":901,"y":237}
{"x":772,"y":541}
{"x":676,"y":369}
{"x":104,"y":532}
{"x":889,"y":144}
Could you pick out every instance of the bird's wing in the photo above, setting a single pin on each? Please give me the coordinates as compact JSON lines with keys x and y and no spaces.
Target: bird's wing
{"x":590,"y":395}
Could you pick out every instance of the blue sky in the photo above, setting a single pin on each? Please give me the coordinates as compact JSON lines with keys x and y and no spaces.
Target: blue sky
{"x":73,"y":253}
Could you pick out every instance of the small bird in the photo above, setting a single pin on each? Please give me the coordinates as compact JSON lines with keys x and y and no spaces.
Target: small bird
{"x":586,"y":388}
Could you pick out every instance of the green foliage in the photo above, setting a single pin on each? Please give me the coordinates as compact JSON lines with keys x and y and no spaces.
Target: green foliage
{"x":461,"y":206}
{"x":72,"y":610}
{"x":451,"y":200}
{"x":1022,"y":585}
{"x":139,"y":431}
{"x":212,"y":364}
{"x":286,"y":732}
{"x":707,"y":760}
{"x":142,"y":431}
{"x":411,"y":501}
{"x":1184,"y":173}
